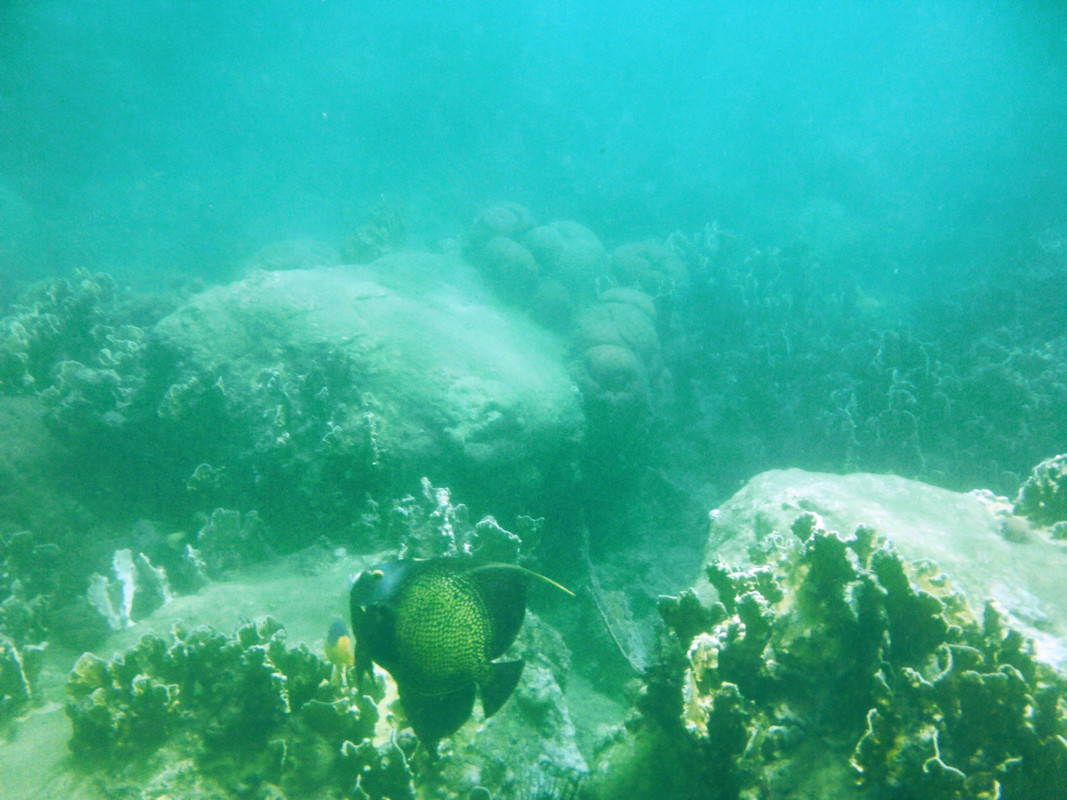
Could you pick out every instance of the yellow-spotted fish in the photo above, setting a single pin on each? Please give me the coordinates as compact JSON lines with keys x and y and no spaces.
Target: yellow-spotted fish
{"x":436,"y":625}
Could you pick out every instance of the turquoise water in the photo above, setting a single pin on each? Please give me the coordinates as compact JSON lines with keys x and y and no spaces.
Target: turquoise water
{"x":181,"y":137}
{"x":287,"y":288}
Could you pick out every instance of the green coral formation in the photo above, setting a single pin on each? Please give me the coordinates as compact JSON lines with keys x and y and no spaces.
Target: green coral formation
{"x":814,"y":360}
{"x":1043,"y":496}
{"x":74,"y":342}
{"x":247,"y":710}
{"x":18,"y":671}
{"x":834,"y":668}
{"x":54,"y":322}
{"x":297,"y":392}
{"x":27,"y":586}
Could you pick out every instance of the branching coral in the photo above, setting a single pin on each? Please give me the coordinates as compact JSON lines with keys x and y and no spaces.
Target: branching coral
{"x":805,"y":362}
{"x":18,"y":670}
{"x":834,"y":661}
{"x":73,"y":342}
{"x":246,"y":708}
{"x":432,"y":525}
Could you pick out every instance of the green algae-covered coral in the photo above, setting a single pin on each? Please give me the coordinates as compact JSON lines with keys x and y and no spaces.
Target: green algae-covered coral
{"x":78,"y":344}
{"x":1043,"y":496}
{"x":244,"y":710}
{"x":834,"y":668}
{"x":18,"y":670}
{"x":67,"y":319}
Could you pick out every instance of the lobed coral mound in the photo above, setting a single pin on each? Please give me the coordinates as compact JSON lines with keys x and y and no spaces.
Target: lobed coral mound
{"x":834,"y":668}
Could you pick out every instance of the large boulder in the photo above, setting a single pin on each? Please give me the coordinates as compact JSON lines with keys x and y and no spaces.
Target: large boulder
{"x":973,"y":539}
{"x":315,"y":386}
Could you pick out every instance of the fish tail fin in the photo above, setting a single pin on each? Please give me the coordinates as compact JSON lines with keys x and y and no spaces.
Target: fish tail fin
{"x":497,"y":688}
{"x":434,"y":717}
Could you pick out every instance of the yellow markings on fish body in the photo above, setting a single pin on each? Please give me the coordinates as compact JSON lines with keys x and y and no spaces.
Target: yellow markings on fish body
{"x":340,"y":652}
{"x":442,"y":633}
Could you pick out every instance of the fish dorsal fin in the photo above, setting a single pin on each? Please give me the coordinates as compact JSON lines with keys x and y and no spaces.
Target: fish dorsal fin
{"x":504,"y":594}
{"x":527,"y":572}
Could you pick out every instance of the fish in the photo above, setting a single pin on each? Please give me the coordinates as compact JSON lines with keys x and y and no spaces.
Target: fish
{"x":339,"y":651}
{"x":437,"y":627}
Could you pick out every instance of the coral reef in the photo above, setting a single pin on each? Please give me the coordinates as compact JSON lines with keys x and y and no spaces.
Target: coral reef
{"x":292,"y":392}
{"x":653,"y":267}
{"x":833,"y":662}
{"x":510,"y":220}
{"x":28,"y":581}
{"x":72,"y":342}
{"x":19,"y":667}
{"x":228,"y":540}
{"x":623,"y":317}
{"x":807,"y":362}
{"x":619,"y":370}
{"x":1043,"y":496}
{"x":571,"y":253}
{"x":248,"y":714}
{"x":382,"y":234}
{"x":549,"y":269}
{"x":28,"y":584}
{"x":431,"y":524}
{"x":509,"y":268}
{"x":297,"y":392}
{"x":137,"y":589}
{"x":244,"y":711}
{"x":615,"y":389}
{"x":494,"y":245}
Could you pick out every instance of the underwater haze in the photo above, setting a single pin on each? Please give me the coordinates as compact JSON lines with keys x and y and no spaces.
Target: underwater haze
{"x":160,"y":137}
{"x":533,"y":400}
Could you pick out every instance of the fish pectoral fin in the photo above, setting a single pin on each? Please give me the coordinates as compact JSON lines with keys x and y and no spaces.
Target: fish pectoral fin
{"x":503,"y":678}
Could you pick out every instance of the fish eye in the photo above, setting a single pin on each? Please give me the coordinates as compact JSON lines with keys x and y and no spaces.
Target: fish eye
{"x":377,"y":574}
